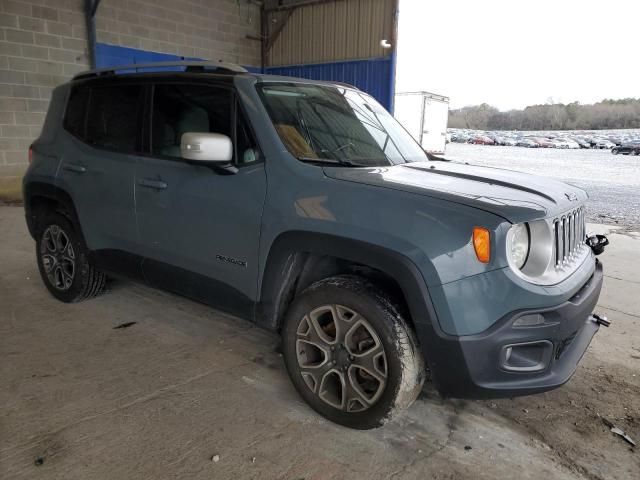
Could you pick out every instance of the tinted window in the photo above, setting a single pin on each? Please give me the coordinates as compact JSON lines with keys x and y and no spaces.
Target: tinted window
{"x":326,"y":122}
{"x":246,"y":147}
{"x":113,"y":117}
{"x":178,"y":109}
{"x":76,"y":114}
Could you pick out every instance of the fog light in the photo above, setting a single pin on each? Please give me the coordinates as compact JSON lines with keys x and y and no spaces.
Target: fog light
{"x":526,"y":357}
{"x":531,"y":320}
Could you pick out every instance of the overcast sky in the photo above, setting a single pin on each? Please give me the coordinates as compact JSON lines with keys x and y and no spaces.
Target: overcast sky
{"x":512,"y":53}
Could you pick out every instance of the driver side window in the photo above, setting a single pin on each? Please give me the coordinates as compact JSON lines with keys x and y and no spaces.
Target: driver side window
{"x":178,"y":109}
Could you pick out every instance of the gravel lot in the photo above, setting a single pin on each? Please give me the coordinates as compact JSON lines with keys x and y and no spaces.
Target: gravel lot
{"x":612,"y":181}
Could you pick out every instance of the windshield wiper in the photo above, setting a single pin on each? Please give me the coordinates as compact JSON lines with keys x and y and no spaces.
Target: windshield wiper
{"x":435,"y":158}
{"x":332,"y":161}
{"x":342,"y":147}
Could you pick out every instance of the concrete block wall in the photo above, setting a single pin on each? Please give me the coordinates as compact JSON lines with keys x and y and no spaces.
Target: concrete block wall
{"x":43,"y":43}
{"x":210,"y":29}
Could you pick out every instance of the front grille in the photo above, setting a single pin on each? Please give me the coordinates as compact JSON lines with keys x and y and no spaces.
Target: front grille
{"x":569,"y":231}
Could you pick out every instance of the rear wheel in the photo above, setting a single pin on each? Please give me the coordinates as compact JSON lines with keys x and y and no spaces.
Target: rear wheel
{"x":63,"y":262}
{"x":614,"y":151}
{"x":350,"y":354}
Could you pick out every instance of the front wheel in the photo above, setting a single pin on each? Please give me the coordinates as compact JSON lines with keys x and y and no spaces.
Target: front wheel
{"x":350,"y":354}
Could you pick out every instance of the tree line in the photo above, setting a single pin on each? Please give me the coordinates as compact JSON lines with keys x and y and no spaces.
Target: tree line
{"x":604,"y":115}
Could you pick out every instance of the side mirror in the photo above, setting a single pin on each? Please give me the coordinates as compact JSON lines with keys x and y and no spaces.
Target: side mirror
{"x":206,"y":147}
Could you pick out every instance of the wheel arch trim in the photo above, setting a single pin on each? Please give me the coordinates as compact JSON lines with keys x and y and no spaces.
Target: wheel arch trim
{"x":33,"y":190}
{"x":287,"y":257}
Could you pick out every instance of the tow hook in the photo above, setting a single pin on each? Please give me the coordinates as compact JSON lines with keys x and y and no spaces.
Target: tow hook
{"x":597,"y":243}
{"x":601,"y":320}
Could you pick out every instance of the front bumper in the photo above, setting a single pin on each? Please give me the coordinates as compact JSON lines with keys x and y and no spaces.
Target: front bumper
{"x":476,"y":363}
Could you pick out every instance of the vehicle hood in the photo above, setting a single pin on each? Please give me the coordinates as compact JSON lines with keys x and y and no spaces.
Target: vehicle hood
{"x":514,"y":196}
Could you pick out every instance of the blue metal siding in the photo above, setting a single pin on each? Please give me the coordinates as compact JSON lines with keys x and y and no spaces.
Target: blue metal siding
{"x":253,"y":69}
{"x":374,"y":76}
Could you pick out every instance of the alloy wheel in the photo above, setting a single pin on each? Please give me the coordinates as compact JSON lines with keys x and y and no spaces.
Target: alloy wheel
{"x":58,"y":257}
{"x":341,"y":358}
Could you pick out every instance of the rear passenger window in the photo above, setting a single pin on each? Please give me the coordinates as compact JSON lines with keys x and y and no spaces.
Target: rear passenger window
{"x":113,"y":117}
{"x":178,"y":109}
{"x":76,"y":113}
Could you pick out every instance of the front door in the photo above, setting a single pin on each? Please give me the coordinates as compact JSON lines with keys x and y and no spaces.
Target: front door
{"x":199,"y":228}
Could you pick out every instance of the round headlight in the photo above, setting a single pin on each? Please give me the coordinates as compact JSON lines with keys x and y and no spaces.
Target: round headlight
{"x":518,"y":245}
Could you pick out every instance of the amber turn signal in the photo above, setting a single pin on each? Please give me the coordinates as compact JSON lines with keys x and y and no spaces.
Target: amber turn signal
{"x":482,"y":244}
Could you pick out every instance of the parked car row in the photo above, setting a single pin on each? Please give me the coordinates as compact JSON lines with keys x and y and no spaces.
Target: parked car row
{"x":625,"y":142}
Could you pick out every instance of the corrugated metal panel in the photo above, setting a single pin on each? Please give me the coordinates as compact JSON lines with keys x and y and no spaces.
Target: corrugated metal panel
{"x":372,"y":76}
{"x":326,"y":32}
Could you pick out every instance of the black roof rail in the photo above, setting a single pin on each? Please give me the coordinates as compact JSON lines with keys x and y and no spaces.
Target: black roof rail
{"x":190,"y":66}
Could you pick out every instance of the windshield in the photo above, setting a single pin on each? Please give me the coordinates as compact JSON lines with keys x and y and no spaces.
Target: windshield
{"x":328,"y":123}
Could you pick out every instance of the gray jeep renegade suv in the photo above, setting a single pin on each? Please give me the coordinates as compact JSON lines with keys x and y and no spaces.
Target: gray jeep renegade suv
{"x":306,"y":208}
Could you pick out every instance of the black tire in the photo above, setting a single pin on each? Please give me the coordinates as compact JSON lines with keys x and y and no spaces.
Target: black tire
{"x":69,"y":277}
{"x":400,"y":361}
{"x":614,"y":151}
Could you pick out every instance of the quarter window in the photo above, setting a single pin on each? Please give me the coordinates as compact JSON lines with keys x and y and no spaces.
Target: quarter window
{"x":112,"y":122}
{"x":76,"y":113}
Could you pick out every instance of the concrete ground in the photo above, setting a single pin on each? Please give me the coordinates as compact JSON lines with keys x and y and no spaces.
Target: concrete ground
{"x":186,"y":385}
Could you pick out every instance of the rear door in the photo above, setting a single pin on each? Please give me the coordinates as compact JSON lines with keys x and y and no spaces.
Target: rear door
{"x":100,"y":147}
{"x":200,"y":228}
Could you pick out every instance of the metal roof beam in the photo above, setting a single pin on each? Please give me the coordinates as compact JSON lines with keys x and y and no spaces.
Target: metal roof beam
{"x":282,"y":5}
{"x":276,"y":32}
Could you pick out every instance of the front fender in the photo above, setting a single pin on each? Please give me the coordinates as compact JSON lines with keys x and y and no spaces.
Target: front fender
{"x":434,"y":234}
{"x":284,"y":264}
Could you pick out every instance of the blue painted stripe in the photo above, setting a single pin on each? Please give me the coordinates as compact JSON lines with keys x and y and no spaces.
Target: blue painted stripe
{"x":111,"y":55}
{"x":373,"y":76}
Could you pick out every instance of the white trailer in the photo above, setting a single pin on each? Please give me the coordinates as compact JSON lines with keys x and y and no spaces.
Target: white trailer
{"x":425,"y":116}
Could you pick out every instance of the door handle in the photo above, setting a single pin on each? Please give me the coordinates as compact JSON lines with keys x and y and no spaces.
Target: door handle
{"x":155,"y":184}
{"x":74,"y":167}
